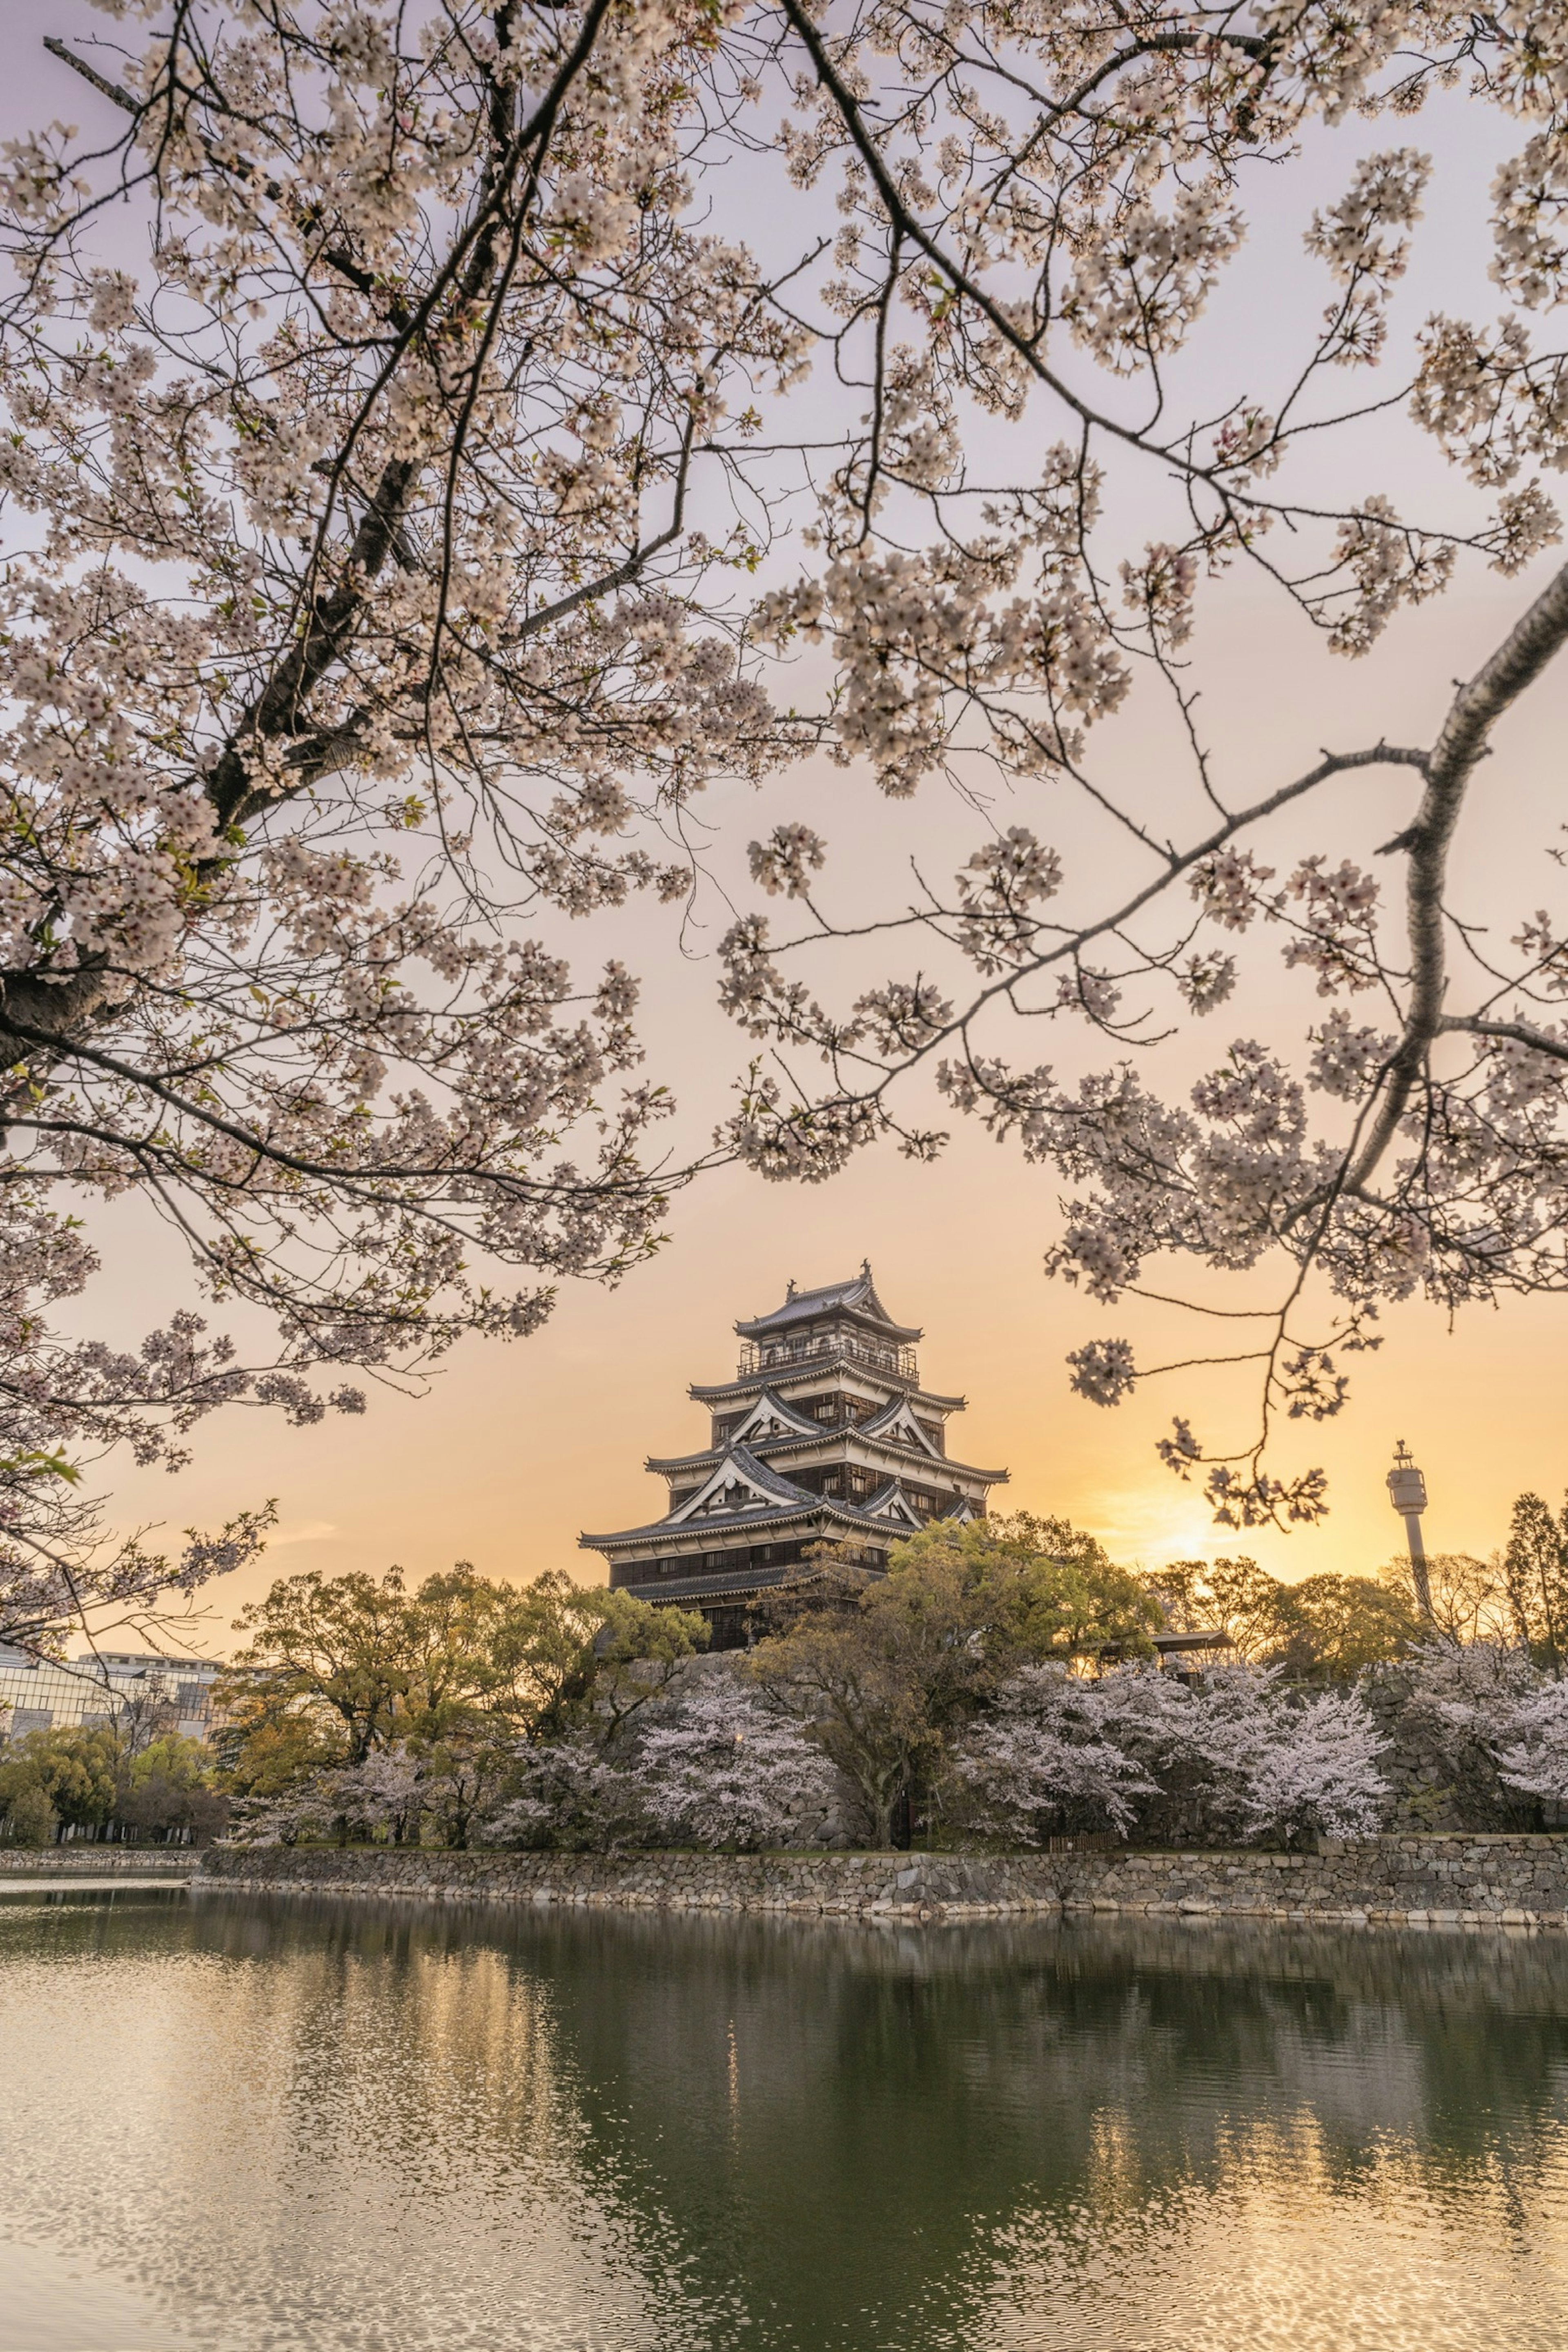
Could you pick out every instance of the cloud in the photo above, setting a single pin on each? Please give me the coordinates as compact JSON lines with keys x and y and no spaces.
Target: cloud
{"x":307,"y":1531}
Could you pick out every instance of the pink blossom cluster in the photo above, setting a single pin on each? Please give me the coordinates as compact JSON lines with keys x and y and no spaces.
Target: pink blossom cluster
{"x":1257,"y":1759}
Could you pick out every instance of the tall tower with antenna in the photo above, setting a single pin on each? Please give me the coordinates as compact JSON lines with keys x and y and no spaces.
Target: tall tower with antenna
{"x":1407,"y":1493}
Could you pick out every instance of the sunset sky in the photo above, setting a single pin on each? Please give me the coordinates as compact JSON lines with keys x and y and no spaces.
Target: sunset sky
{"x":517,"y":1448}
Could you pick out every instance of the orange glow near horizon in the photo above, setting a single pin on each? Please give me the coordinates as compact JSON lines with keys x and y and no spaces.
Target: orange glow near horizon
{"x":517,"y":1449}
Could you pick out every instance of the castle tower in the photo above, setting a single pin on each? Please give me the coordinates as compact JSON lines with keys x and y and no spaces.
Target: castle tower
{"x":824,"y":1434}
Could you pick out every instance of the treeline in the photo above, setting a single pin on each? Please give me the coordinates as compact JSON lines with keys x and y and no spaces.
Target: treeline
{"x":108,"y":1781}
{"x":361,"y":1705}
{"x":1000,"y":1682}
{"x":1331,"y":1628}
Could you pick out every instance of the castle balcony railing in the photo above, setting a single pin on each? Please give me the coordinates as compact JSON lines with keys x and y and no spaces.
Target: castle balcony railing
{"x":789,"y":1355}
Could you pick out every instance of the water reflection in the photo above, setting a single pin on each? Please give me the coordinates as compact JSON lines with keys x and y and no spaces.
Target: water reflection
{"x":348,"y":2125}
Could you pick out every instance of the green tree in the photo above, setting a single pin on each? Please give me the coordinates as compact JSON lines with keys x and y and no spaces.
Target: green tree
{"x":267,"y":1744}
{"x":29,"y":1817}
{"x":456,"y":1672}
{"x":561,"y":1652}
{"x":167,"y":1786}
{"x":343,"y":1643}
{"x":1182,"y":1593}
{"x":76,"y":1769}
{"x":1468,"y":1598}
{"x":1324,"y":1629}
{"x":1234,"y":1597}
{"x":885,"y":1668}
{"x":451,"y":1630}
{"x":1252,"y":1606}
{"x":1535,"y":1573}
{"x":1336,"y":1626}
{"x":855,"y":1677}
{"x":1043,"y":1588}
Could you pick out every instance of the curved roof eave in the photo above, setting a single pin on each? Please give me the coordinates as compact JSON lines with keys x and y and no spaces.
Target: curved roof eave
{"x":815,"y":1507}
{"x":665,"y":1465}
{"x":721,"y":1587}
{"x":753,"y":1384}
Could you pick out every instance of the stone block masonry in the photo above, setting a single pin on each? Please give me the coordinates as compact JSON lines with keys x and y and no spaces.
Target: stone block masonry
{"x":853,"y":1885}
{"x":1433,"y":1880}
{"x":93,"y":1861}
{"x":1402,"y":1879}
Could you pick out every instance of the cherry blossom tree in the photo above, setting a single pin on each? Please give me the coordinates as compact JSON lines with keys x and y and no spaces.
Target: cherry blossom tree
{"x":1265,"y":1761}
{"x":1531,"y":1752}
{"x":1489,"y":1694}
{"x":1037,"y":207}
{"x":338,"y":635}
{"x":382,"y":1795}
{"x":1299,"y":1767}
{"x":569,"y":1793}
{"x":415,"y":498}
{"x":63,"y":1571}
{"x":1047,"y":1756}
{"x":727,"y":1770}
{"x":718,"y":1767}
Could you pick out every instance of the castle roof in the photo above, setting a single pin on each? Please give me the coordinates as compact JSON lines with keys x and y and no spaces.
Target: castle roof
{"x":736,"y":1584}
{"x":739,"y":1489}
{"x":771,"y":1502}
{"x":845,"y":1440}
{"x":773,"y":1425}
{"x":858,"y":1296}
{"x":805,"y":1368}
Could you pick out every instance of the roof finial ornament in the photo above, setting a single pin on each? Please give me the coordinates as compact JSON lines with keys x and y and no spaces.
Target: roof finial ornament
{"x":865,"y":1269}
{"x":789,"y":1292}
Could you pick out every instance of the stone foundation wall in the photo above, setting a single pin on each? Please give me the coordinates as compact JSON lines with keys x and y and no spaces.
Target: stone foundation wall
{"x":1512,"y":1881}
{"x":98,"y":1861}
{"x":1407,"y":1879}
{"x":908,"y":1885}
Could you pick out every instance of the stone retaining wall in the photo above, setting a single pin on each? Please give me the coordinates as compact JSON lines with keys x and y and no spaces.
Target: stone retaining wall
{"x":98,"y":1861}
{"x":908,"y":1885}
{"x":1404,"y":1878}
{"x":1460,"y":1880}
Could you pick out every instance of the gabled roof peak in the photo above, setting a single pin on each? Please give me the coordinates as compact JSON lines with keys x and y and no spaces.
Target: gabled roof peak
{"x":738,"y":1482}
{"x":899,"y":1420}
{"x":772,"y":1415}
{"x":890,"y":1502}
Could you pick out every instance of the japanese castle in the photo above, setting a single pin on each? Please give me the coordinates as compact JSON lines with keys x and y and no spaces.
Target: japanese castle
{"x":824,"y":1434}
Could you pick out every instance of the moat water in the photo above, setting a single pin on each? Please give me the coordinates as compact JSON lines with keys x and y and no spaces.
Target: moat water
{"x":288,"y":2125}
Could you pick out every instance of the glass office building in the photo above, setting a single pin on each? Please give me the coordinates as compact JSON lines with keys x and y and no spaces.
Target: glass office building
{"x":165,"y":1694}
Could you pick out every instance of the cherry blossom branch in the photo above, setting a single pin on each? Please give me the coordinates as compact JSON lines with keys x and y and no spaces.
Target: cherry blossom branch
{"x":1518,"y":662}
{"x":1519,"y":1033}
